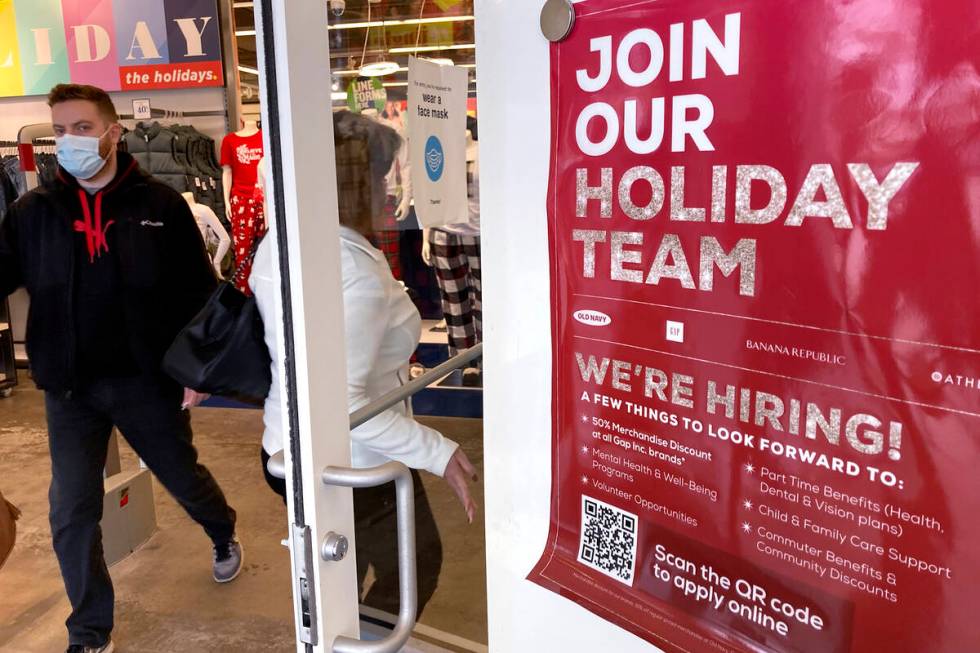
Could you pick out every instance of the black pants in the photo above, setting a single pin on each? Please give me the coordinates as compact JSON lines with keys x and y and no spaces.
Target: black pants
{"x":147,"y":412}
{"x":376,"y":535}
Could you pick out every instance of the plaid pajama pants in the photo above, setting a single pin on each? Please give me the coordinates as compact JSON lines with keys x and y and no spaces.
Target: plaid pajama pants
{"x":388,"y":237}
{"x":247,"y":224}
{"x":457,"y":264}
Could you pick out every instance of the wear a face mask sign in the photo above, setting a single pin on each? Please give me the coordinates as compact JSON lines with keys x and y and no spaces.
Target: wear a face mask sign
{"x":117,"y":46}
{"x":437,"y":145}
{"x":766,"y":399}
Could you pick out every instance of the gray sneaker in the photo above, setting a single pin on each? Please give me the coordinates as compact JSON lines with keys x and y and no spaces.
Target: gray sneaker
{"x":108,"y":647}
{"x":228,"y":560}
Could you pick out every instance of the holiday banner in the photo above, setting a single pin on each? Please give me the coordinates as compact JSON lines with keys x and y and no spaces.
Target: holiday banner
{"x":765,"y":241}
{"x":118,"y":45}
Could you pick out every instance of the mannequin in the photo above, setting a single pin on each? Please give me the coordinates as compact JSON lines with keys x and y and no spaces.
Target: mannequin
{"x":398,"y":197}
{"x":216,"y":238}
{"x":454,"y":252}
{"x":240,"y":155}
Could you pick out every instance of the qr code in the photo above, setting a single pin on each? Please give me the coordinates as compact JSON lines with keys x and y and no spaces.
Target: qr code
{"x":608,"y":540}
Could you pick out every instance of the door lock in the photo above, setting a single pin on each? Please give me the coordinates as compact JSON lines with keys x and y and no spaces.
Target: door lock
{"x":334,"y":547}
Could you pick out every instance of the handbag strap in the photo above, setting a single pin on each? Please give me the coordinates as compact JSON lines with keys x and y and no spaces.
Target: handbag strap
{"x":246,"y":262}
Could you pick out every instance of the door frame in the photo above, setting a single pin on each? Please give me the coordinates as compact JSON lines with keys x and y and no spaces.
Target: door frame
{"x":294,"y":58}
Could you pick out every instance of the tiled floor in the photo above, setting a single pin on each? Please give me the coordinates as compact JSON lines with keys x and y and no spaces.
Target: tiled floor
{"x":165,"y":599}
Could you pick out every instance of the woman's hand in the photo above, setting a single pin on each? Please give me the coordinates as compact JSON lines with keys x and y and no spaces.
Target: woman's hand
{"x":459,"y":473}
{"x":193,"y":399}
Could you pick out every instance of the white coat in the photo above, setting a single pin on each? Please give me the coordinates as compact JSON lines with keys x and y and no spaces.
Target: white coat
{"x":383,"y":328}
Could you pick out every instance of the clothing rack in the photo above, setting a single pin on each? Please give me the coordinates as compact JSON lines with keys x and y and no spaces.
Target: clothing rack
{"x":167,"y":114}
{"x":26,"y":139}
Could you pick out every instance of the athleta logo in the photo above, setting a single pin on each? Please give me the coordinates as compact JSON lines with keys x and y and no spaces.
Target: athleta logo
{"x":150,"y":223}
{"x":945,"y":378}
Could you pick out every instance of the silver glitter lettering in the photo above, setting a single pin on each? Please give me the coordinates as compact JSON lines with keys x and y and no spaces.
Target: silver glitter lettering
{"x":768,"y":407}
{"x":727,"y":400}
{"x":744,"y":176}
{"x":869,"y":441}
{"x":603,"y":192}
{"x":671,"y":246}
{"x":588,"y":238}
{"x":656,"y":182}
{"x":831,"y":428}
{"x":654,"y":382}
{"x":880,"y":195}
{"x":821,"y":175}
{"x":677,"y":209}
{"x":619,"y":256}
{"x":719,"y":193}
{"x":794,"y":416}
{"x":681,"y":391}
{"x":742,"y":256}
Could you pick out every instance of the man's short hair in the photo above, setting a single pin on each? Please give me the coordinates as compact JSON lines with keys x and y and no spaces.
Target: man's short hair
{"x":94,"y":94}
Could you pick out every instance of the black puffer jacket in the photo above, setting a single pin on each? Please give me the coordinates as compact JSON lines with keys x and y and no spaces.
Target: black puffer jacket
{"x":164,"y":267}
{"x":155,"y":149}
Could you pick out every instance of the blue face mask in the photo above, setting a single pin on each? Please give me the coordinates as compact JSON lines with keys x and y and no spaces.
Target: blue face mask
{"x":79,"y":155}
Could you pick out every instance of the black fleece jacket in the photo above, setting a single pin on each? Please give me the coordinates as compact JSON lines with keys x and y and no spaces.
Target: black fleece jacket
{"x":164,"y":273}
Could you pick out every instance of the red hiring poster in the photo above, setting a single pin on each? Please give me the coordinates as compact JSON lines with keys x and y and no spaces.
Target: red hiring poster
{"x":765,"y":237}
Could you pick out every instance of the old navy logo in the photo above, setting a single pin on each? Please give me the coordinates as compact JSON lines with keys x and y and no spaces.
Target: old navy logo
{"x":592,"y":318}
{"x":150,"y":223}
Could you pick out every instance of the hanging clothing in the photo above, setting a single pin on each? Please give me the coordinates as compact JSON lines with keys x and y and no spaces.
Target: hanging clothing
{"x":387,"y":237}
{"x":457,"y":264}
{"x":456,"y":257}
{"x":153,"y":148}
{"x":242,"y":154}
{"x":398,"y":185}
{"x":247,"y":224}
{"x":471,"y":226}
{"x":215,"y":236}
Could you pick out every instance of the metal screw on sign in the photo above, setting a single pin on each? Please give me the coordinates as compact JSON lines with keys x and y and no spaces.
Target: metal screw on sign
{"x":557,"y":19}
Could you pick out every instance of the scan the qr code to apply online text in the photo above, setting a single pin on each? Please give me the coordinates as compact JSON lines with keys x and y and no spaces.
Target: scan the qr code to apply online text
{"x":608,"y":542}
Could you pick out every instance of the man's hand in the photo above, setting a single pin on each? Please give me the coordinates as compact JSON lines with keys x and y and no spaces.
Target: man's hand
{"x":459,"y":473}
{"x":193,"y":399}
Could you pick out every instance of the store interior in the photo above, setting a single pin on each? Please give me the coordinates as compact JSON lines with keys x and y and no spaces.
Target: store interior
{"x":165,"y":599}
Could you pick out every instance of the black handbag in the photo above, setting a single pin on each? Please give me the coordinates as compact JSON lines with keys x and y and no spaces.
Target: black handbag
{"x":222,"y":351}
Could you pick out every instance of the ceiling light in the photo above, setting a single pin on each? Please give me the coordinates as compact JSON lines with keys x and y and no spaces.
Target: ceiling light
{"x":250,"y":71}
{"x":397,"y":23}
{"x":245,"y":32}
{"x":354,"y":72}
{"x":433,"y":48}
{"x":395,"y":84}
{"x":379,"y":69}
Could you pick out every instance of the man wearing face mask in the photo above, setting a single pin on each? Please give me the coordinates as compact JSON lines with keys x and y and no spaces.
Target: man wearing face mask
{"x":115,"y":267}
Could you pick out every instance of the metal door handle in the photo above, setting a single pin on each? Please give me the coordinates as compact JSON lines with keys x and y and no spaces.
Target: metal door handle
{"x":407,"y":582}
{"x":277,"y":465}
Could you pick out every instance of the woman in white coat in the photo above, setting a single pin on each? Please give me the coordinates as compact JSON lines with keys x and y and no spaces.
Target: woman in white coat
{"x":383,"y":328}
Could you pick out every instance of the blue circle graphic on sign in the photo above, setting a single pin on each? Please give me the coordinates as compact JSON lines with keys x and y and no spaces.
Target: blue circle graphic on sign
{"x":435,"y":159}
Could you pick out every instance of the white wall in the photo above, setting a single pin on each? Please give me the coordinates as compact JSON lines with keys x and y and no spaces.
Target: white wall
{"x":514,"y":100}
{"x":17,"y":112}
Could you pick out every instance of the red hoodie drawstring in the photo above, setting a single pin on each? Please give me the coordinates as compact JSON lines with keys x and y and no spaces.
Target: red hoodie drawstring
{"x":95,"y":234}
